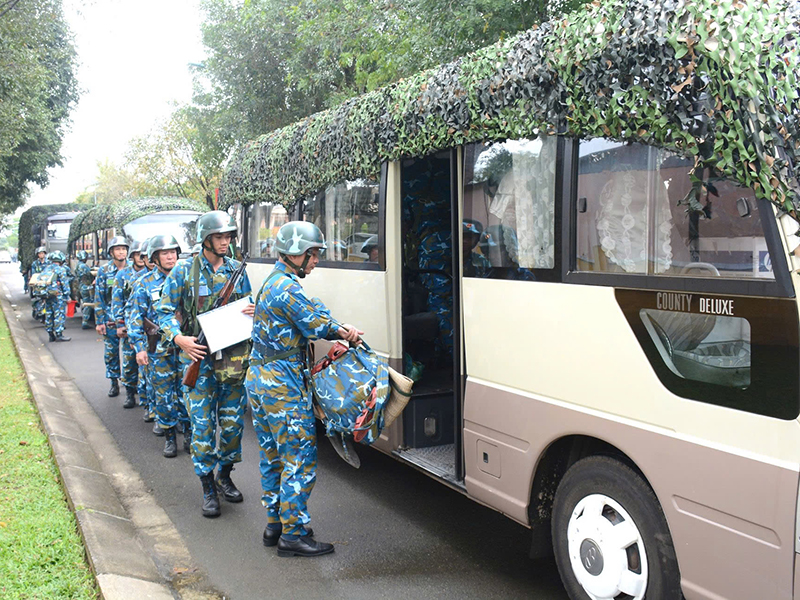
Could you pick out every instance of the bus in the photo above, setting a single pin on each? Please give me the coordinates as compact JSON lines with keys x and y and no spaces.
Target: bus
{"x":44,"y":225}
{"x":586,"y":243}
{"x":137,"y":219}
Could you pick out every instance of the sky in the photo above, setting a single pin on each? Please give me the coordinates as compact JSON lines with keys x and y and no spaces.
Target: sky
{"x":134,"y":60}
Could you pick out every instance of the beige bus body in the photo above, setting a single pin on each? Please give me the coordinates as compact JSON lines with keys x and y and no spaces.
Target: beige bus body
{"x":550,"y":362}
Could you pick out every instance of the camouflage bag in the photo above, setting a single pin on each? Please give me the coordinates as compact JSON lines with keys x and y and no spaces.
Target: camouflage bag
{"x":231,"y":367}
{"x":351,"y":386}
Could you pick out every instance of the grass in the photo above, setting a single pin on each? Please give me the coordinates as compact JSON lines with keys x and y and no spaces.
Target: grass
{"x":41,"y":553}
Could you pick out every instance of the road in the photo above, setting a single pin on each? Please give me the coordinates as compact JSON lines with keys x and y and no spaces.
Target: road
{"x":398,"y":533}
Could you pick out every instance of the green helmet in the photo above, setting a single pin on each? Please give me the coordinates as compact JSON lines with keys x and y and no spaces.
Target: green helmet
{"x":135,"y":247}
{"x":145,"y":248}
{"x":216,"y":221}
{"x":162,"y":242}
{"x":197,"y":248}
{"x":57,"y":256}
{"x":297,"y":237}
{"x":82,"y":255}
{"x":118,"y":240}
{"x":40,"y":249}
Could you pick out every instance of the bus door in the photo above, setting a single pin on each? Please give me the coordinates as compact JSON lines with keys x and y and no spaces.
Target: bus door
{"x":430,"y":315}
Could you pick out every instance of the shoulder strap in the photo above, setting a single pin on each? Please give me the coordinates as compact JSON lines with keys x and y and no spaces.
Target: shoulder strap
{"x":274,"y":275}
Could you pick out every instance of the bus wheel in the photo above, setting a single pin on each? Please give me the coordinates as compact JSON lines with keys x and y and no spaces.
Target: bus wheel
{"x":610,"y":537}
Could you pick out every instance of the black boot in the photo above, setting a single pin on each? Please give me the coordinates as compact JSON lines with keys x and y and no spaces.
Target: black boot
{"x":114,"y":391}
{"x":52,"y":336}
{"x":187,"y":438}
{"x":170,"y":444}
{"x":60,"y":337}
{"x":303,"y":546}
{"x":130,"y":397}
{"x":225,"y":484}
{"x":148,"y":416}
{"x":210,"y":500}
{"x":158,"y":431}
{"x":271,"y":536}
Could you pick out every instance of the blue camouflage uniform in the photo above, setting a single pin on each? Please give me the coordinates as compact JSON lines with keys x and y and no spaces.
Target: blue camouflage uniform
{"x":56,"y":301}
{"x":164,"y":368}
{"x":86,"y":280}
{"x":37,"y":266}
{"x":209,"y":401}
{"x":103,"y":287}
{"x":123,"y":286}
{"x":145,"y":389}
{"x":283,"y":420}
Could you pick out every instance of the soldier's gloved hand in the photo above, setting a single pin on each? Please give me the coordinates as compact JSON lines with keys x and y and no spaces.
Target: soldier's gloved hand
{"x":188,"y":344}
{"x":141,"y":358}
{"x":101,"y":329}
{"x":349,"y":333}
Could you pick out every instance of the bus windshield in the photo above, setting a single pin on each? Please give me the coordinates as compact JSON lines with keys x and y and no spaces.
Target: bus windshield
{"x":179,"y":223}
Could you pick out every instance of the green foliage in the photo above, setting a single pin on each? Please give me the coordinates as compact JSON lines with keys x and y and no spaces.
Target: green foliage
{"x":709,"y":79}
{"x":119,"y":214}
{"x":38,"y":89}
{"x":41,"y":553}
{"x":32,"y":217}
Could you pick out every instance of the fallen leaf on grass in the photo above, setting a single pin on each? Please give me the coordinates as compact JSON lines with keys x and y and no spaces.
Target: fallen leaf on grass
{"x":3,"y":524}
{"x":23,"y":443}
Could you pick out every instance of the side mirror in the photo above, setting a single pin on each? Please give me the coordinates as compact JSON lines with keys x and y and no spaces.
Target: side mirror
{"x":743,"y":206}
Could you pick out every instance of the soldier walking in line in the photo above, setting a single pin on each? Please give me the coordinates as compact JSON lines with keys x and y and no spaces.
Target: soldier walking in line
{"x":119,"y":299}
{"x":285,"y":321}
{"x":106,"y":324}
{"x":37,"y":266}
{"x":86,"y":290}
{"x":192,"y":288}
{"x":160,"y":358}
{"x":57,"y":295}
{"x":145,"y":390}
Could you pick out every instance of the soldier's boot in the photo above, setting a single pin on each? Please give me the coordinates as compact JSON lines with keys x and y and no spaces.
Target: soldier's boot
{"x":52,"y":336}
{"x":60,"y":337}
{"x":225,"y":484}
{"x":130,"y":397}
{"x":158,"y":431}
{"x":303,"y":546}
{"x":148,"y":415}
{"x":210,"y":499}
{"x":187,"y":438}
{"x":273,"y":534}
{"x":170,"y":443}
{"x":113,"y":392}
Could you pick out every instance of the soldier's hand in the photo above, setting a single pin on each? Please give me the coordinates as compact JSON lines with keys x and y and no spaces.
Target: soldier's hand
{"x":101,"y":329}
{"x":122,"y":332}
{"x":189,"y":345}
{"x":350,"y":333}
{"x":141,"y":358}
{"x":250,"y":310}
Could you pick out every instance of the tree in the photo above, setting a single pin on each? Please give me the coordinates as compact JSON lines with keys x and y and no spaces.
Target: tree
{"x":38,"y":89}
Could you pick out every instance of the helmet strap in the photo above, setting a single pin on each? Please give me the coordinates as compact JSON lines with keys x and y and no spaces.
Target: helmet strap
{"x":301,"y":270}
{"x":210,"y":248}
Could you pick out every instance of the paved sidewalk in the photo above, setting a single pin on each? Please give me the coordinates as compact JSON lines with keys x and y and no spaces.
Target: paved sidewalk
{"x":133,"y":547}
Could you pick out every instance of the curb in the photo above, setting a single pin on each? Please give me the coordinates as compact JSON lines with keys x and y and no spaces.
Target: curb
{"x":133,"y":547}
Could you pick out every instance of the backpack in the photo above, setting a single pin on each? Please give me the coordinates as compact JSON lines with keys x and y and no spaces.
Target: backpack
{"x":351,"y":386}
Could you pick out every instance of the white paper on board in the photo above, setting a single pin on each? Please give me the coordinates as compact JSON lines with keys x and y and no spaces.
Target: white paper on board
{"x":227,"y":325}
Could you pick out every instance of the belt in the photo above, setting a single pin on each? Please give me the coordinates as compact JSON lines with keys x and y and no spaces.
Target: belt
{"x":269,"y":355}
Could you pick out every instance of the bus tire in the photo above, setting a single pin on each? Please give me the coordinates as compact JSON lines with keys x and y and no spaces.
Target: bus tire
{"x":605,"y":520}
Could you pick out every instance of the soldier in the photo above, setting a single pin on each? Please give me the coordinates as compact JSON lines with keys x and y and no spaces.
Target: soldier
{"x":37,"y":266}
{"x":57,"y":296}
{"x":105,"y":322}
{"x":191,"y":288}
{"x":145,"y":389}
{"x":119,"y":299}
{"x":161,"y":359}
{"x":86,"y":280}
{"x":285,"y":321}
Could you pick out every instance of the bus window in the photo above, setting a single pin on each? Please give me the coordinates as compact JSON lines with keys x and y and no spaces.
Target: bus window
{"x":265,"y":220}
{"x":509,"y":207}
{"x":630,"y":219}
{"x":347,"y":214}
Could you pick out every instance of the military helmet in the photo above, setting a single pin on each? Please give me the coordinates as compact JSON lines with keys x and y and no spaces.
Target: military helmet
{"x":370,"y":243}
{"x":197,"y":249}
{"x":57,"y":256}
{"x":82,"y":255}
{"x":135,"y":247}
{"x":40,"y":249}
{"x":297,"y":237}
{"x":162,"y":242}
{"x":145,"y":248}
{"x":118,"y":240}
{"x":216,"y":221}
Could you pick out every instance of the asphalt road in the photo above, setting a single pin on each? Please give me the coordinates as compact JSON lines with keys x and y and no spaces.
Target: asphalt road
{"x":398,"y":533}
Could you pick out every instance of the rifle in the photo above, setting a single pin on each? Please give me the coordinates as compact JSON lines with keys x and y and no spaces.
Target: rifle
{"x":193,"y":370}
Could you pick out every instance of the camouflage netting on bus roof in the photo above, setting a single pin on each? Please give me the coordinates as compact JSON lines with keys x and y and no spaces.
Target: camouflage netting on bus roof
{"x":711,"y":79}
{"x":29,"y":219}
{"x":118,"y":214}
